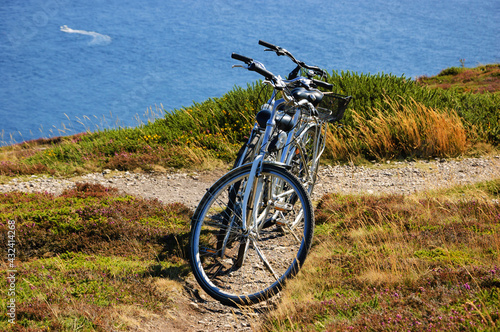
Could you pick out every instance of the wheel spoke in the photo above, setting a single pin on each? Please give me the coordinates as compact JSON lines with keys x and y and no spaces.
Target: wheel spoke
{"x":264,"y":260}
{"x":239,"y":266}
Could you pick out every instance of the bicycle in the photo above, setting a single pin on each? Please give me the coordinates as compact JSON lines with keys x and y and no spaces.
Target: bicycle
{"x":253,"y":228}
{"x":306,"y":142}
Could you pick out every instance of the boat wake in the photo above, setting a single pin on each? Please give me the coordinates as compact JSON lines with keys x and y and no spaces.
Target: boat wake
{"x":97,"y":38}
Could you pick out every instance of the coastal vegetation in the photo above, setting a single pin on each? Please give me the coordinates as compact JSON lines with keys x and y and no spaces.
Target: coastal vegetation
{"x":425,"y":262}
{"x":92,"y":259}
{"x":390,"y":117}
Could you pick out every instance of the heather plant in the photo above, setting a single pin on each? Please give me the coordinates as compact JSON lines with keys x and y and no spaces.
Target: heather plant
{"x":476,"y":80}
{"x":85,"y":258}
{"x":394,"y":263}
{"x":90,"y":218}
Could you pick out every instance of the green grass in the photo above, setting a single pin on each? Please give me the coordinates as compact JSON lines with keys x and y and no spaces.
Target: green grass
{"x":210,"y":132}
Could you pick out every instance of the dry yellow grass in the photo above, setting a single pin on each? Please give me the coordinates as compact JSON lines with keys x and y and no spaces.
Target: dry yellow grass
{"x":396,"y":263}
{"x":408,"y":131}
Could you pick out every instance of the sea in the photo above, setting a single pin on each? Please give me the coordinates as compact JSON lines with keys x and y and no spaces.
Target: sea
{"x":70,"y":66}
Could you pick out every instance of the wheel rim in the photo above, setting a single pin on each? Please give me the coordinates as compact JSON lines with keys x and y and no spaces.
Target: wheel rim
{"x":249,"y":266}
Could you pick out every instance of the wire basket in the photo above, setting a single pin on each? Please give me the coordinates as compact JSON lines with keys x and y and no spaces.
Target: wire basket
{"x":332,"y":107}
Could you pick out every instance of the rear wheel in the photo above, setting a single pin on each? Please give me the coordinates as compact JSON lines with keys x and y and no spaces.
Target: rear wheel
{"x":304,"y":161}
{"x":248,"y":150}
{"x":235,"y":266}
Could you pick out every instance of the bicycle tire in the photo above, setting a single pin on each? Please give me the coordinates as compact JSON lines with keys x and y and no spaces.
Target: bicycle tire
{"x":270,"y":258}
{"x":303,"y":165}
{"x":248,"y":150}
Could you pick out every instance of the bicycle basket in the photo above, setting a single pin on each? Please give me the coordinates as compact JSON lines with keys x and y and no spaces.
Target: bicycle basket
{"x":332,"y":107}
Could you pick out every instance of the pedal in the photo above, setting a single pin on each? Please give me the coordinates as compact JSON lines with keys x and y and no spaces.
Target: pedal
{"x":285,"y":207}
{"x":280,"y":223}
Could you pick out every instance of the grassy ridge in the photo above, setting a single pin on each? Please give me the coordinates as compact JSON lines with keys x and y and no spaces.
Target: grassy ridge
{"x":475,"y":80}
{"x":211,"y":132}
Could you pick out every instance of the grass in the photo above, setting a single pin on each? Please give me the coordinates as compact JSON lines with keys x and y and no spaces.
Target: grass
{"x":208,"y":133}
{"x":94,"y":260}
{"x":372,"y":94}
{"x":401,"y":113}
{"x":411,"y":131}
{"x":394,"y":263}
{"x":87,"y":258}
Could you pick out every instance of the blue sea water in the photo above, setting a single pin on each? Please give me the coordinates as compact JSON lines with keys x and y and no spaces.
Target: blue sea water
{"x":67,"y":66}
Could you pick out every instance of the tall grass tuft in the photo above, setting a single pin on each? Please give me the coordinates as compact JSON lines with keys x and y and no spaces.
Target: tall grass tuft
{"x":398,"y":130}
{"x":480,"y":112}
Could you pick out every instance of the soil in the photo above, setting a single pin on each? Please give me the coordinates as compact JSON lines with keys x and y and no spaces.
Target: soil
{"x":194,"y":310}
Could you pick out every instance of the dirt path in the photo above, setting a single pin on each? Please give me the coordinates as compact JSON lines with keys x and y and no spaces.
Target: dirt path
{"x":188,"y":188}
{"x":195,"y":311}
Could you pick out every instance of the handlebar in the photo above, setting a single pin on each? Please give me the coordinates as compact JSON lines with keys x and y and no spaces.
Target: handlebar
{"x":300,"y":64}
{"x":254,"y":66}
{"x":268,"y":45}
{"x":243,"y":58}
{"x":277,"y":81}
{"x":322,"y":84}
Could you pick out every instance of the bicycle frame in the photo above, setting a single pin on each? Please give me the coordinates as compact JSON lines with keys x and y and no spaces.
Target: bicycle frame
{"x":301,"y":125}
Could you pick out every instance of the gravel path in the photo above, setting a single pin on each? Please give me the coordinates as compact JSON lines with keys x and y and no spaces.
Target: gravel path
{"x":188,"y":188}
{"x":196,"y":311}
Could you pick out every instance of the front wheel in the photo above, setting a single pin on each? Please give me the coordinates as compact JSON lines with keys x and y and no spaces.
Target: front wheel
{"x":238,"y":267}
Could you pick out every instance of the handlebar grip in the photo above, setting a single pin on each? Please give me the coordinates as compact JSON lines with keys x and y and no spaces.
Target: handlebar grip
{"x":243,"y":58}
{"x":264,"y":72}
{"x":323,"y":84}
{"x":268,"y":45}
{"x":318,"y":70}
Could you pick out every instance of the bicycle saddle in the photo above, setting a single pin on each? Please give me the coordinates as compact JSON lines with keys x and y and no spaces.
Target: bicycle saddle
{"x":283,"y":121}
{"x":313,"y":96}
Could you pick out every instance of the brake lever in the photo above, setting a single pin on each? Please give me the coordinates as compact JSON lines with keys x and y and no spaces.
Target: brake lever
{"x":279,"y":51}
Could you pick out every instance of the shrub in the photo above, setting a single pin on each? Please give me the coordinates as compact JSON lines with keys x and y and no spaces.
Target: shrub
{"x":93,"y":219}
{"x":396,"y":263}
